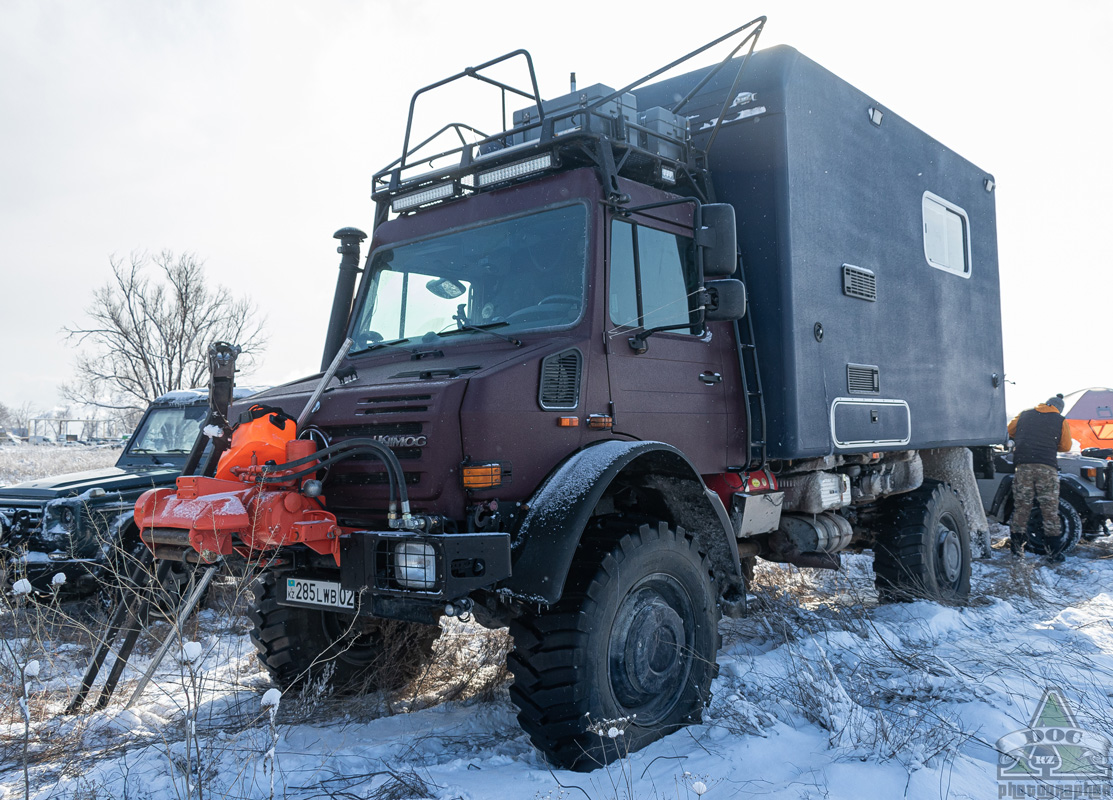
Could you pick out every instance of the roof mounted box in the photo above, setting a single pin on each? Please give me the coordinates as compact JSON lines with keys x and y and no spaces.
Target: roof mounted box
{"x":625,"y":106}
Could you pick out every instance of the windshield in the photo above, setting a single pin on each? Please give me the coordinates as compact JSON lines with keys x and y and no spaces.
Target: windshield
{"x":509,"y":275}
{"x":168,"y":431}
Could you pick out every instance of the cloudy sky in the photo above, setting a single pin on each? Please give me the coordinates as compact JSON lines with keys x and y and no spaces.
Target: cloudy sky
{"x":247,"y":132}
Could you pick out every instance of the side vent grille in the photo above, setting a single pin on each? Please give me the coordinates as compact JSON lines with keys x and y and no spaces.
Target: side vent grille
{"x":863,"y":379}
{"x":858,"y":282}
{"x":560,"y":380}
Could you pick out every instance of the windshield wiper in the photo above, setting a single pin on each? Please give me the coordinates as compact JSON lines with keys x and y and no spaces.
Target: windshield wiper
{"x":462,"y":324}
{"x":376,"y":346}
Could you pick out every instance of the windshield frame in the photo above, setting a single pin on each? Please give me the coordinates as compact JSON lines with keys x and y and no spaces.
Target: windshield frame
{"x":371,"y":282}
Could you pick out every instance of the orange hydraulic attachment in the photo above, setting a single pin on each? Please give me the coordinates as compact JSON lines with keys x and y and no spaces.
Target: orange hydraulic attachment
{"x":239,"y":514}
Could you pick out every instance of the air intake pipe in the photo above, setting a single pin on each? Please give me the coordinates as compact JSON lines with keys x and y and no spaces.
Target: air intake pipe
{"x":350,"y":239}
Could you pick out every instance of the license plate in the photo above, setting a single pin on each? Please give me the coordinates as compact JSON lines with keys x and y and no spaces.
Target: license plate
{"x":319,"y":593}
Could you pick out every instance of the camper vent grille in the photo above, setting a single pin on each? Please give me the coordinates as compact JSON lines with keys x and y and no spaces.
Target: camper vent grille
{"x":863,"y":379}
{"x":560,"y":380}
{"x":858,"y":282}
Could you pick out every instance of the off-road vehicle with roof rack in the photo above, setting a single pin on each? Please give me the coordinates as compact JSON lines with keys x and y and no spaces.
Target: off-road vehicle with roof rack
{"x":602,"y":356}
{"x":74,"y":524}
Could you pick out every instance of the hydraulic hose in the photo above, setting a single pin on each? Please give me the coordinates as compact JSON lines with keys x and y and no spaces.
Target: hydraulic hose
{"x":340,"y":452}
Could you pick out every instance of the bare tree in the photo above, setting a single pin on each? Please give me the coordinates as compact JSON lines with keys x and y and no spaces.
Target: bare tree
{"x":21,"y":416}
{"x":149,"y":335}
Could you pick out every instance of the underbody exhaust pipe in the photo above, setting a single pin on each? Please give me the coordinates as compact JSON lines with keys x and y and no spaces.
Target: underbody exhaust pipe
{"x":810,"y":540}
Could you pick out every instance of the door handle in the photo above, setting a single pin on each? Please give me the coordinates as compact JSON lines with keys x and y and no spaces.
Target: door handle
{"x":711,"y":378}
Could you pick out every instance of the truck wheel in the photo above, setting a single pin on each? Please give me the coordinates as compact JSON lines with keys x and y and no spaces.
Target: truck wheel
{"x":927,"y":552}
{"x":347,"y":653}
{"x":630,"y":647}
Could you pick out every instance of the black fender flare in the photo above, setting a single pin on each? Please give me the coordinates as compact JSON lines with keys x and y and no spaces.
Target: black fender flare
{"x":561,"y":508}
{"x":1004,"y":490}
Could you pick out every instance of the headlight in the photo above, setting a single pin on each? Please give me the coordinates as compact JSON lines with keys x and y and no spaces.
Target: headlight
{"x":415,"y":565}
{"x":68,"y":519}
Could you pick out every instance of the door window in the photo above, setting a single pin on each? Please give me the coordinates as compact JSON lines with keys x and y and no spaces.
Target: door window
{"x":653,"y":278}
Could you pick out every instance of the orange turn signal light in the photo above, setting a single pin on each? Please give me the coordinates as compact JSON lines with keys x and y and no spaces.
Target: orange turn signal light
{"x":600,"y":422}
{"x":568,"y":422}
{"x":482,"y":476}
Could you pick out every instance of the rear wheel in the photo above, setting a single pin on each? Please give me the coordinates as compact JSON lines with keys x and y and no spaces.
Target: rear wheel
{"x":629,"y":649}
{"x":926,"y":553}
{"x":345,"y":652}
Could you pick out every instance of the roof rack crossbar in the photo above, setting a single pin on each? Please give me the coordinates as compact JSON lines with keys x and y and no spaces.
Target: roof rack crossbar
{"x":471,"y":72}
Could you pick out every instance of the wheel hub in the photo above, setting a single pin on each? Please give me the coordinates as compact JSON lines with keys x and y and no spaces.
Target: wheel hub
{"x":950,"y":554}
{"x":650,"y":652}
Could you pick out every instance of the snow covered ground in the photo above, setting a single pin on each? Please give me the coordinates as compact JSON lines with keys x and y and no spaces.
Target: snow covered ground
{"x":821,"y":694}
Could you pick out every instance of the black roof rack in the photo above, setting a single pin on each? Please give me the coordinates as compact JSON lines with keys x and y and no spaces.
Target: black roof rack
{"x":594,"y":129}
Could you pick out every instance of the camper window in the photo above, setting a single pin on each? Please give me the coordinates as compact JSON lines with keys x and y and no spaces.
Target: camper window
{"x":946,"y":235}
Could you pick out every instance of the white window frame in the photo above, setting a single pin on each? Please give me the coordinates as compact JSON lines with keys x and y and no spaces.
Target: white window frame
{"x":969,"y":265}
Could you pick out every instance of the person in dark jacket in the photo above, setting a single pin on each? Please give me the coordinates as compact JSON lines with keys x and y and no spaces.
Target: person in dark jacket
{"x":1039,"y":434}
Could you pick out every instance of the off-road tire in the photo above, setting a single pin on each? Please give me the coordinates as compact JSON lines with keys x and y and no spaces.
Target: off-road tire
{"x":1070,"y":526}
{"x":926,"y":551}
{"x":630,"y":645}
{"x":344,"y":653}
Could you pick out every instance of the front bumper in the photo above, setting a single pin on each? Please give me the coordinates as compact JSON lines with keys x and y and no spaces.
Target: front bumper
{"x":402,"y":575}
{"x":435,"y":567}
{"x":1100,"y":508}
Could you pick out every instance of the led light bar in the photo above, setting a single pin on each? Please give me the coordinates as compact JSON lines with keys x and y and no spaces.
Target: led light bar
{"x":416,"y":199}
{"x":668,"y":174}
{"x":511,"y":171}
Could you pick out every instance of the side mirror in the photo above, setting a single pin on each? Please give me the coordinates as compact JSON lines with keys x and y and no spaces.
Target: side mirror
{"x":726,"y":300}
{"x":718,"y":238}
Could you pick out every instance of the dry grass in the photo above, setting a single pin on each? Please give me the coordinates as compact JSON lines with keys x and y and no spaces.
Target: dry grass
{"x":19,"y":463}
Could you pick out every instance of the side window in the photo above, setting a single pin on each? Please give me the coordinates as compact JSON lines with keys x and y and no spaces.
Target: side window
{"x":653,"y":277}
{"x":946,"y":235}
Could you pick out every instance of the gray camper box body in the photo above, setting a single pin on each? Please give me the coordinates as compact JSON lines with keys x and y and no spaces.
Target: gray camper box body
{"x":863,"y":343}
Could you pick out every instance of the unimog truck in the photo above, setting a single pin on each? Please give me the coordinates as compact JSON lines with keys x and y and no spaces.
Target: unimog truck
{"x":596,"y":362}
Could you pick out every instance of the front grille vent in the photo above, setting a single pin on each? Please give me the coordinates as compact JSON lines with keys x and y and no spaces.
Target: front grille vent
{"x":19,"y":520}
{"x":393,"y":405}
{"x":863,"y":379}
{"x":405,"y":438}
{"x":370,"y":479}
{"x":560,"y":380}
{"x":858,"y":282}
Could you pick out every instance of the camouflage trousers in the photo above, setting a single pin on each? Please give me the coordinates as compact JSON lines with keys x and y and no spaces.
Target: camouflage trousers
{"x":1035,"y":482}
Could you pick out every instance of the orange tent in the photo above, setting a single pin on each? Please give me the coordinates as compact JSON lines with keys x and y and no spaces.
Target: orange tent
{"x":1091,"y":418}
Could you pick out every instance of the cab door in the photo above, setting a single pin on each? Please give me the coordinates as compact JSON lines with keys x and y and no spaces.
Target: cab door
{"x":673,"y":392}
